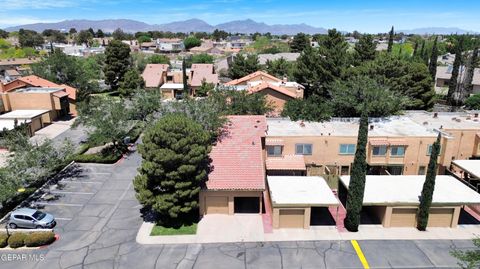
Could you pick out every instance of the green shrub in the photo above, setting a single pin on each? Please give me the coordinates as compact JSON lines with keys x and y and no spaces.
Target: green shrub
{"x":37,"y":239}
{"x":3,"y":240}
{"x":98,"y":158}
{"x":473,"y":102}
{"x":17,"y":240}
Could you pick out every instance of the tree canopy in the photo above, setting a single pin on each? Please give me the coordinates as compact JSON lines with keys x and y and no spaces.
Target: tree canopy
{"x":117,"y":62}
{"x":242,"y":66}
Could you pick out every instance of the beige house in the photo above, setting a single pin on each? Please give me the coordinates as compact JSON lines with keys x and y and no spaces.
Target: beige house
{"x":444,"y":73}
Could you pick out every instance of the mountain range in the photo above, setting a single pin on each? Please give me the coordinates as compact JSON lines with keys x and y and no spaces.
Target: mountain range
{"x":196,"y":25}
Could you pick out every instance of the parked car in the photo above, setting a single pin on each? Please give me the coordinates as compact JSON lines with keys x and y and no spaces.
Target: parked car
{"x":30,"y":219}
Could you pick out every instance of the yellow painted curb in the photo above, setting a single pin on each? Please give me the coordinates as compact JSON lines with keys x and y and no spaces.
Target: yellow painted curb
{"x":360,"y":255}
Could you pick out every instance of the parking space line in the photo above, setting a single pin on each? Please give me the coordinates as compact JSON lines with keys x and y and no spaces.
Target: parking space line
{"x":87,"y":182}
{"x":72,"y":192}
{"x":360,"y":255}
{"x":58,"y":204}
{"x":63,"y":219}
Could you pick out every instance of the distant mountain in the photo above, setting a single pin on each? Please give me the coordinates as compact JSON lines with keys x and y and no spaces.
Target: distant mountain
{"x":105,"y":25}
{"x":192,"y":25}
{"x":436,"y":30}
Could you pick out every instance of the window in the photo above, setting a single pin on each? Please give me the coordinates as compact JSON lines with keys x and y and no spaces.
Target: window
{"x":28,"y":218}
{"x":379,"y":150}
{"x":303,"y":149}
{"x":421,"y":170}
{"x":397,"y":151}
{"x":429,"y":149}
{"x":344,"y":170}
{"x":274,"y":151}
{"x":347,"y":149}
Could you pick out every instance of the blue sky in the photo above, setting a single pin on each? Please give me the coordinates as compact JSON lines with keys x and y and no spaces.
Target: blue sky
{"x":365,"y":16}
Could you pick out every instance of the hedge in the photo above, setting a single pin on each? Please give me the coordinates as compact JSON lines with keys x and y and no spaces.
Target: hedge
{"x":98,"y":158}
{"x":20,"y":239}
{"x":17,"y":240}
{"x":3,"y":240}
{"x":37,"y":239}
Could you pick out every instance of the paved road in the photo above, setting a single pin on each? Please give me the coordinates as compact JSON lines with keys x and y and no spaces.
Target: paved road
{"x":98,"y":218}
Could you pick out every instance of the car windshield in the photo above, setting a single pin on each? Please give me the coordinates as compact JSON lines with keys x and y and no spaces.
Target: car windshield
{"x":39,"y":215}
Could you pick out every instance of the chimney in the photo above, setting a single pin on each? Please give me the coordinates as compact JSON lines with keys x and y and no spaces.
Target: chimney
{"x":475,"y":115}
{"x":371,"y":127}
{"x":435,"y":115}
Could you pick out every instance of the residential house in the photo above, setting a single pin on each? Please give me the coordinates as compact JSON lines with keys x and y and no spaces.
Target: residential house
{"x":15,"y":63}
{"x":155,"y":75}
{"x":170,"y":45}
{"x":444,"y":73}
{"x":200,"y":73}
{"x":277,"y":91}
{"x":287,"y":56}
{"x":35,"y":119}
{"x":33,"y":92}
{"x":11,"y":74}
{"x":237,"y":182}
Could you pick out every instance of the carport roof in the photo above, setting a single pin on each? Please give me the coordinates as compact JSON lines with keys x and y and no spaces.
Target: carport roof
{"x":23,"y":114}
{"x":406,"y":190}
{"x":470,"y":166}
{"x":300,"y":191}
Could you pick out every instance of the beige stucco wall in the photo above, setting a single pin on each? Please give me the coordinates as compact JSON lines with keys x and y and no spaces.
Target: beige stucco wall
{"x":462,"y":145}
{"x":31,"y":101}
{"x":326,"y":151}
{"x":276,"y":99}
{"x":276,"y":216}
{"x":230,"y":194}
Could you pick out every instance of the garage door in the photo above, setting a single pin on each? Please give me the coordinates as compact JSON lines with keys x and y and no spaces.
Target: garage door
{"x":216,"y":204}
{"x":291,"y":218}
{"x":246,"y":205}
{"x":403,"y":217}
{"x":440,"y":217}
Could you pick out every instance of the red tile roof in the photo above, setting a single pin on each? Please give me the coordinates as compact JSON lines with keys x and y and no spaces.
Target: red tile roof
{"x":72,"y":92}
{"x":153,"y":74}
{"x":287,"y":162}
{"x":38,"y":82}
{"x":265,"y":85}
{"x":60,"y":94}
{"x":252,"y":75}
{"x":237,"y":158}
{"x":201,"y":72}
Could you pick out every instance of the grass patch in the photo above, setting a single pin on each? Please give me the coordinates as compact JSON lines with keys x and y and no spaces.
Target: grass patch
{"x":160,"y":230}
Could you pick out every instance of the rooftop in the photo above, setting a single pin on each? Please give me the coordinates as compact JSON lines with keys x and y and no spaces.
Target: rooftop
{"x":237,"y":158}
{"x":9,"y":124}
{"x":470,"y":166}
{"x":396,"y":126}
{"x":288,"y":56}
{"x":287,"y":162}
{"x":300,"y":191}
{"x":406,"y":190}
{"x":172,"y":86}
{"x":445,"y":120}
{"x":153,"y":73}
{"x":39,"y":90}
{"x":23,"y":114}
{"x":251,"y":76}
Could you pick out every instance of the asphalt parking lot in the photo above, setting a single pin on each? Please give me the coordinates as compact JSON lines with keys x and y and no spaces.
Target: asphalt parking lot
{"x":99,"y":217}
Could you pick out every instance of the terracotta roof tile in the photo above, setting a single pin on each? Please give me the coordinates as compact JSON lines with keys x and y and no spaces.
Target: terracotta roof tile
{"x":265,"y":85}
{"x":250,"y":76}
{"x":237,"y":158}
{"x":201,"y":72}
{"x":153,"y":74}
{"x":38,"y":82}
{"x":287,"y":162}
{"x":72,"y":92}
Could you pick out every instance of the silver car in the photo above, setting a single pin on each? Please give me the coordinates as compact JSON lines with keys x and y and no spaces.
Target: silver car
{"x":30,"y":219}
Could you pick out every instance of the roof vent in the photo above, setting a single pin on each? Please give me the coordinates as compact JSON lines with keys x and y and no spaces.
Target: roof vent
{"x":454,"y":118}
{"x":435,"y":115}
{"x":458,"y":120}
{"x":371,"y":127}
{"x":425,"y":123}
{"x":441,"y":126}
{"x":475,"y":115}
{"x":302,"y":124}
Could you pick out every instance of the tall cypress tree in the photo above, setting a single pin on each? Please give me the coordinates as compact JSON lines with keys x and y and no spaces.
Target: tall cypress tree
{"x":415,"y":50}
{"x":453,"y":84}
{"x":428,"y":187}
{"x":356,"y":187}
{"x":390,"y":40}
{"x":184,"y":75}
{"x":472,"y":62}
{"x":432,"y":65}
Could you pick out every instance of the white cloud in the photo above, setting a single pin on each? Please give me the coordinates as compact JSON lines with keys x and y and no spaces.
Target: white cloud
{"x":6,"y":22}
{"x":36,"y":4}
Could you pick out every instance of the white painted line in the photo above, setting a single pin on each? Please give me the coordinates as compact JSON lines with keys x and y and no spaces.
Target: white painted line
{"x":66,"y":219}
{"x":58,"y":204}
{"x":87,"y":182}
{"x":72,"y":192}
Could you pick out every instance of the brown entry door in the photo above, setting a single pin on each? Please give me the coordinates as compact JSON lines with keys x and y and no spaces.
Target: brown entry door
{"x":216,"y":204}
{"x":403,"y":217}
{"x":292,"y":218}
{"x":440,"y":217}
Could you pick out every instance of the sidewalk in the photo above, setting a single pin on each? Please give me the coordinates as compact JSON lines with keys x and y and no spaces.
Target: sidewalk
{"x":228,"y":229}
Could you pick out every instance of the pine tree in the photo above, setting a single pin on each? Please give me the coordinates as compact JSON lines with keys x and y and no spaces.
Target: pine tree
{"x":472,"y":63}
{"x":300,"y":42}
{"x":117,"y":62}
{"x":356,"y":187}
{"x":457,"y":63}
{"x":428,"y":187}
{"x":365,"y":48}
{"x":390,"y":40}
{"x":174,"y":167}
{"x":432,"y":65}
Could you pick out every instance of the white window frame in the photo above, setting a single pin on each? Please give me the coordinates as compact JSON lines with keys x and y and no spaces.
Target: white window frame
{"x":397,"y":155}
{"x":303,"y":145}
{"x":379,"y":155}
